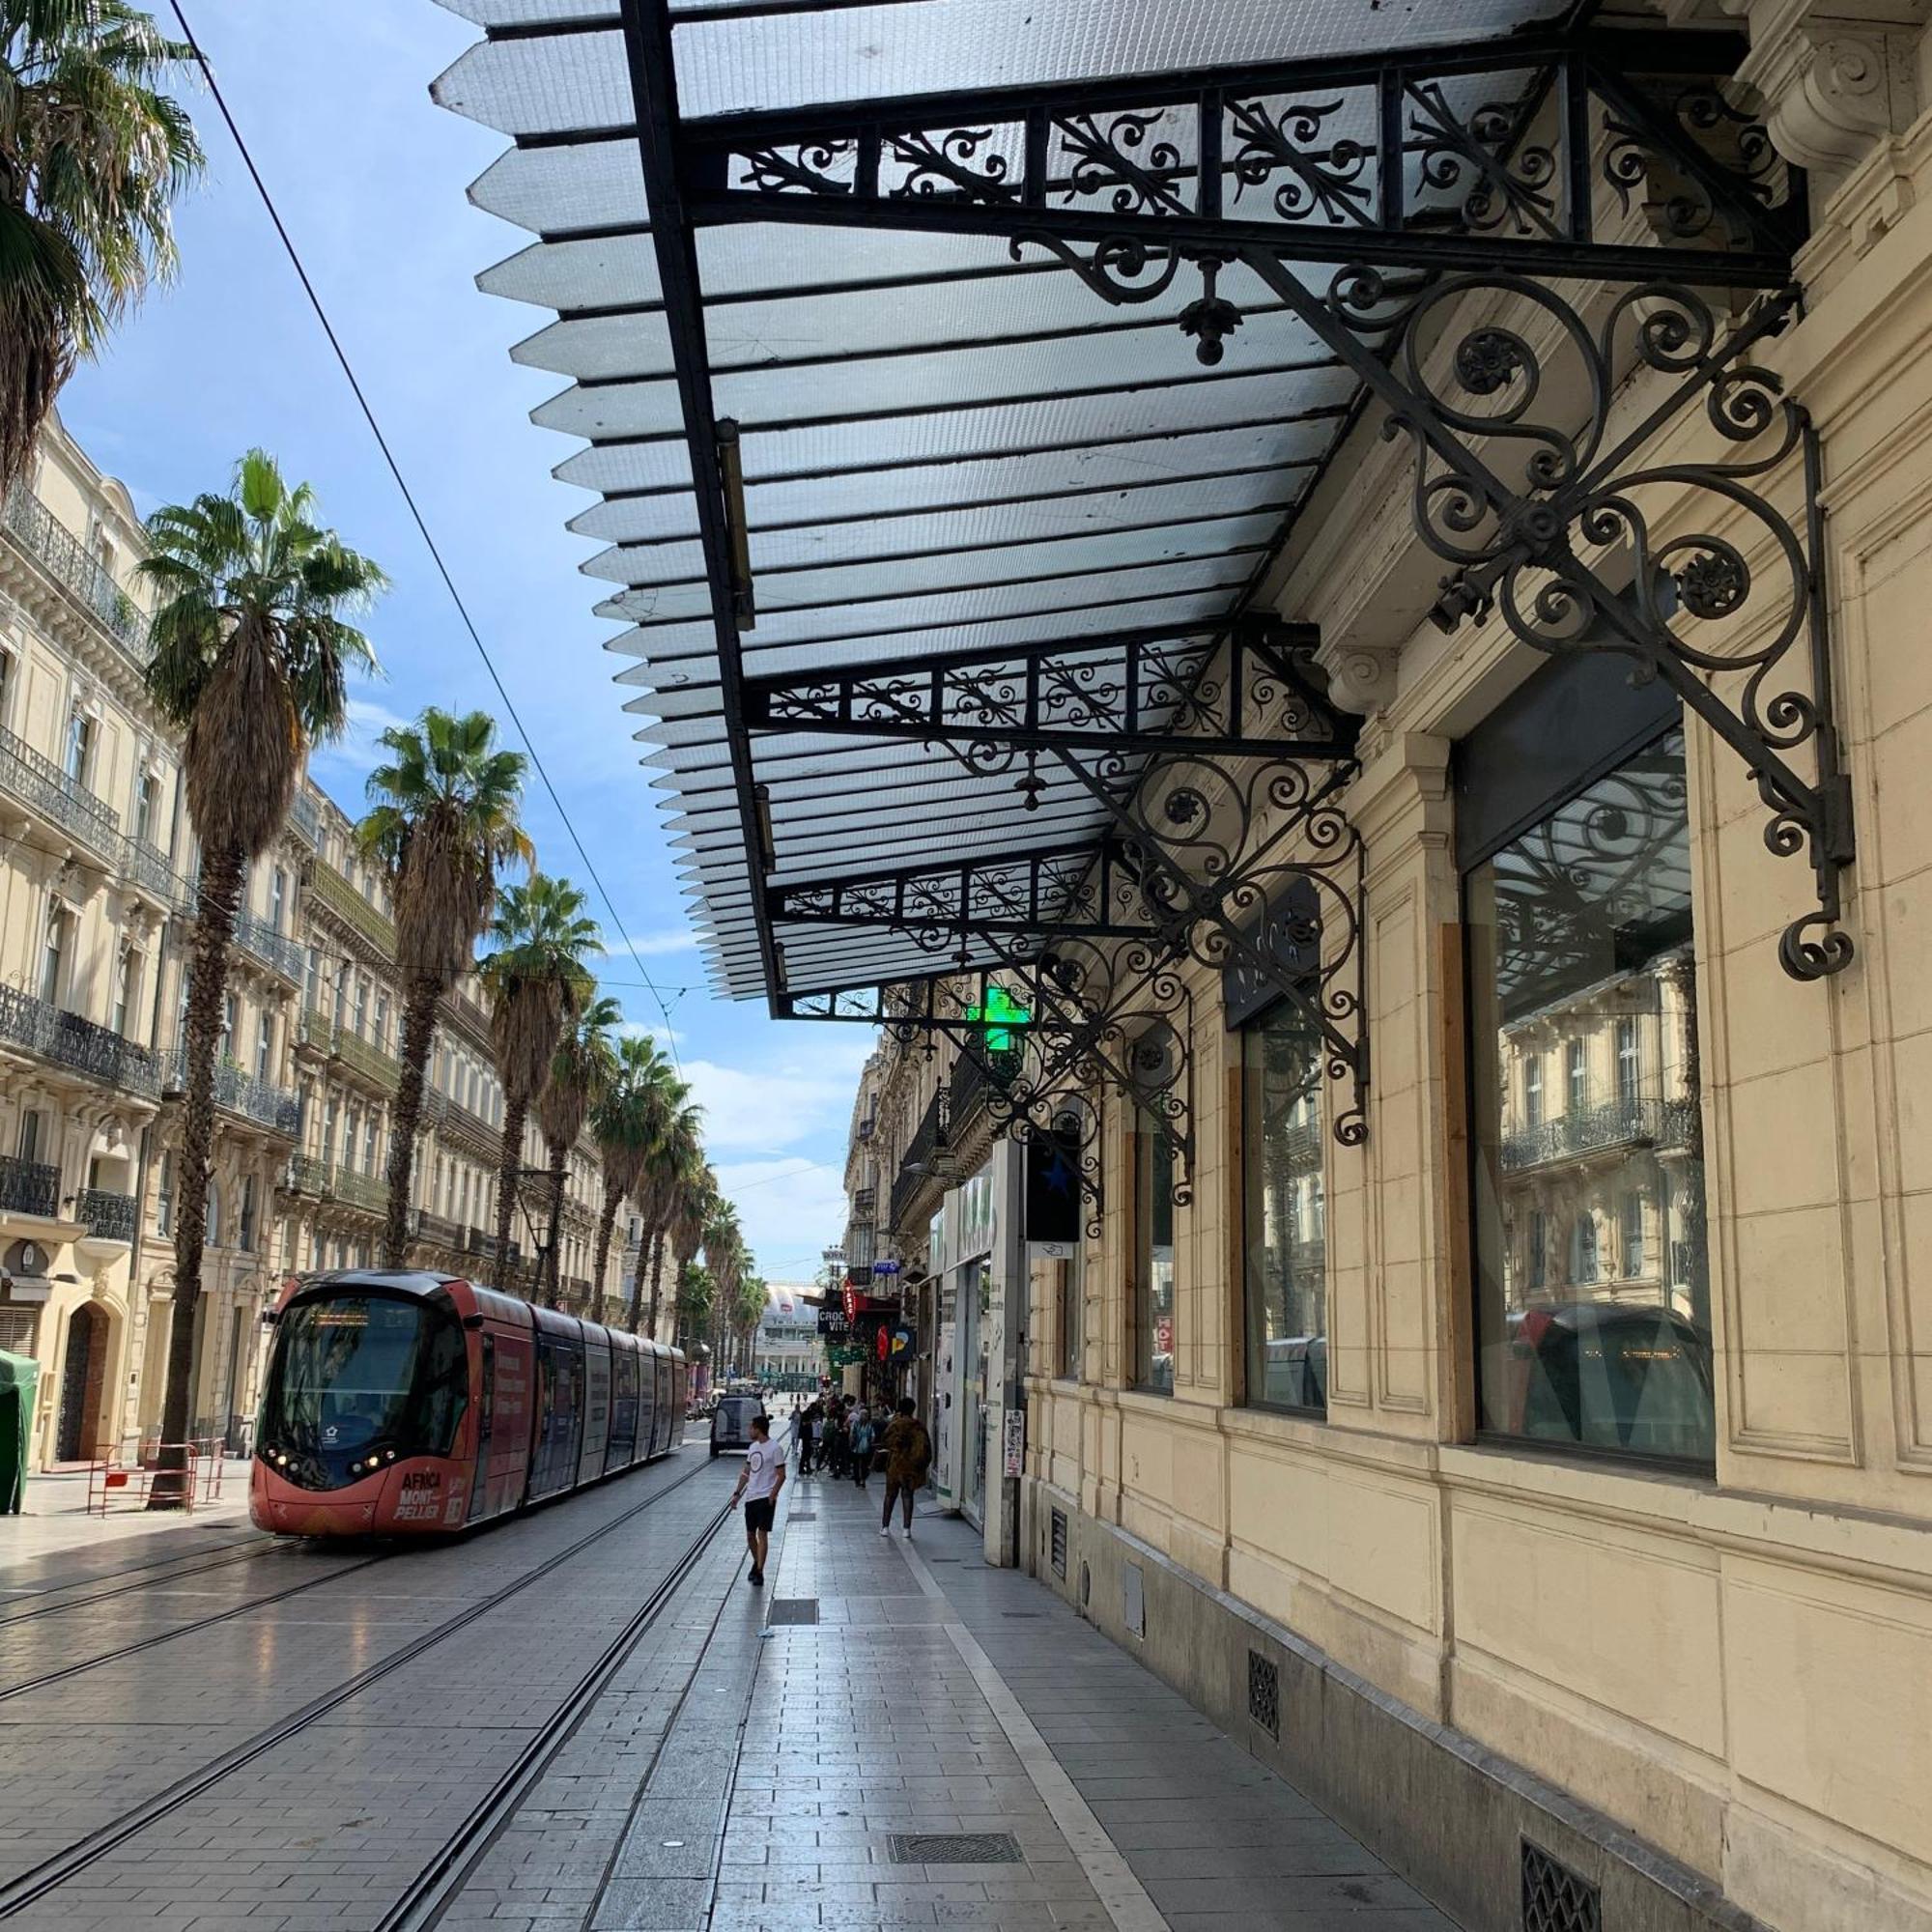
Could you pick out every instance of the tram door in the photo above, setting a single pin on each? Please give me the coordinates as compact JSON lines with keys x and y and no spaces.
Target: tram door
{"x":486,"y":1428}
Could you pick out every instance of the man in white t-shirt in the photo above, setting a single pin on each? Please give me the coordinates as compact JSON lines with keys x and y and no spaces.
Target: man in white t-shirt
{"x":763,"y":1478}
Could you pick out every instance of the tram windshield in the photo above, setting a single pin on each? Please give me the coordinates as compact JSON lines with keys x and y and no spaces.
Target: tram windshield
{"x":358,"y":1373}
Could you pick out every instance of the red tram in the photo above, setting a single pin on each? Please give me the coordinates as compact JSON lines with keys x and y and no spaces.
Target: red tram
{"x":414,"y":1403}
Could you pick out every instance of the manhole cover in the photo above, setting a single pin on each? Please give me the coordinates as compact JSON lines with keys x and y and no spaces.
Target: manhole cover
{"x":794,"y":1610}
{"x":954,"y":1848}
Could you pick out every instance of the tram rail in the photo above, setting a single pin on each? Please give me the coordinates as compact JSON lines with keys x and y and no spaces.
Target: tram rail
{"x":62,"y":1867}
{"x":245,"y":1547}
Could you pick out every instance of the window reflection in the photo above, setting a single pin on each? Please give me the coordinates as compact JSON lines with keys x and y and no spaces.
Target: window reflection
{"x":1154,"y":1208}
{"x":1595,"y":1293}
{"x":1287,"y":1302}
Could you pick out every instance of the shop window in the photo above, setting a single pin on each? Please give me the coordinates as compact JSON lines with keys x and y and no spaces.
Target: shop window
{"x":1286,"y":1275}
{"x":1072,"y":1292}
{"x":1154,"y":1272}
{"x":1574,"y":840}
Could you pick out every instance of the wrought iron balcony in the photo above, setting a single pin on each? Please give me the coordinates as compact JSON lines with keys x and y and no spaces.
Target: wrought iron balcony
{"x":63,"y":555}
{"x":72,"y":1042}
{"x":28,"y":1186}
{"x":435,"y":1229}
{"x":274,"y":949}
{"x":305,"y":815}
{"x":343,"y":1044}
{"x":40,"y":784}
{"x":240,"y":1092}
{"x":329,"y":889}
{"x":1620,"y":1123}
{"x":864,"y":1203}
{"x":106,"y":1217}
{"x":308,"y":1174}
{"x":145,"y":866}
{"x":361,"y":1190}
{"x":862,"y":1244}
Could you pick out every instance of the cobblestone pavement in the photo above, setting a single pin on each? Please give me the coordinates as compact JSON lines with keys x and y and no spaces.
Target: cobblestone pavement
{"x":786,"y":1758}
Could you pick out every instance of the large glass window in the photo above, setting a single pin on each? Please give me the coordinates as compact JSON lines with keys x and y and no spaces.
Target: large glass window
{"x":1285,"y":1289}
{"x":1154,"y":1273}
{"x":1072,"y":1292}
{"x":1580,"y":928}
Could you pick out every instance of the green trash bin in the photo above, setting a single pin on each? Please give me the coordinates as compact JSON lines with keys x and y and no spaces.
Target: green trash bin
{"x":18,"y":1375}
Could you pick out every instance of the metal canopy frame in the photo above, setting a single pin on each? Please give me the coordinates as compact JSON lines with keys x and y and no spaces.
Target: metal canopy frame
{"x":1354,"y":225}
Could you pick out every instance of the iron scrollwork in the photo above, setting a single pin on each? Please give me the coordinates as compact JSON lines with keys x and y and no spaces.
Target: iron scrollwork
{"x":1583,"y":541}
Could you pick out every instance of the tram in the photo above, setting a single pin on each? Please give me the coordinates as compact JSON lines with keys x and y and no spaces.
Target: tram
{"x":412,"y":1403}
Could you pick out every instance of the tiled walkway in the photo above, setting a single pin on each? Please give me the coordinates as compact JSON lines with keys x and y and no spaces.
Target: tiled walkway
{"x":809,"y":1755}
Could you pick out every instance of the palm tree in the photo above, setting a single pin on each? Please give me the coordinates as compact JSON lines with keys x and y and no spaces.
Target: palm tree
{"x":725,"y":1256}
{"x":91,"y":158}
{"x":443,"y":818}
{"x":251,"y":657}
{"x":580,"y":1069}
{"x":623,"y":1123}
{"x":751,"y":1311}
{"x":537,"y":983}
{"x":674,"y":1168}
{"x":683,"y":1191}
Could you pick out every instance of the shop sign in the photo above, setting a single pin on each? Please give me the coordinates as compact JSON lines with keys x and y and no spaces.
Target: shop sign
{"x":831,"y":1323}
{"x":970,"y":1217}
{"x":1290,"y":934}
{"x":904,"y":1341}
{"x":1014,"y":1435}
{"x":1053,"y":1187}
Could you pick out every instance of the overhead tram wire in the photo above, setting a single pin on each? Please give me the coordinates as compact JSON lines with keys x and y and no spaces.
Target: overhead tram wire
{"x":417,"y":515}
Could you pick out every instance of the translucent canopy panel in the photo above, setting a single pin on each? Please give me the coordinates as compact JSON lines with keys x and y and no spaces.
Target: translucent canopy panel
{"x":947,"y":444}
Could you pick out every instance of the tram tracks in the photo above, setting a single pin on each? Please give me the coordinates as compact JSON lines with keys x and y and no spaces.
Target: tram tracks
{"x":72,"y":1861}
{"x":244,"y":1548}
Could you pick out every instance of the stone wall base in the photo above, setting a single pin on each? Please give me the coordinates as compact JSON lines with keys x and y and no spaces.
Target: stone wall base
{"x":1446,"y":1812}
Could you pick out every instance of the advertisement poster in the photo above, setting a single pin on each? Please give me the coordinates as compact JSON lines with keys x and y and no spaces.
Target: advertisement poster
{"x":1015,"y":1440}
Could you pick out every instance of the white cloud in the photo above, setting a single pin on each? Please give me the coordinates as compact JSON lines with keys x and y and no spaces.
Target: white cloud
{"x":790,"y":1209}
{"x":802,"y":1089}
{"x":654,"y":944}
{"x":341,"y":766}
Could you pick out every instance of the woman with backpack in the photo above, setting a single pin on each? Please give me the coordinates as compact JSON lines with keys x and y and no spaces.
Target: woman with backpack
{"x":908,"y":1456}
{"x":862,"y":1444}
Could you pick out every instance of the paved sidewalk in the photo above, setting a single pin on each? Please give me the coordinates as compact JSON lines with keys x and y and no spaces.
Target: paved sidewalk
{"x":55,"y":1520}
{"x":934,"y":1695}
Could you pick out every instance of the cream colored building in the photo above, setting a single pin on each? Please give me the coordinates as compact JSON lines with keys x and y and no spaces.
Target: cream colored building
{"x":1558,"y":1460}
{"x":97,"y":867}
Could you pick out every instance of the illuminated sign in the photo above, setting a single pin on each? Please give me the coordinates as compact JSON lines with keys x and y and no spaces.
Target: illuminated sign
{"x":999,"y":1013}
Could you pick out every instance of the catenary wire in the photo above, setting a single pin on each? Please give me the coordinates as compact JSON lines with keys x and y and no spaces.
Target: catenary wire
{"x":409,"y":499}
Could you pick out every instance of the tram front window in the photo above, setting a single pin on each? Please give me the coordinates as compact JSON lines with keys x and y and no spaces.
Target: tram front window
{"x":359,"y":1380}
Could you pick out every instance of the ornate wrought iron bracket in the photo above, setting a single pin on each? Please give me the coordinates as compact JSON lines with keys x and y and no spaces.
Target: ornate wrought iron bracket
{"x":1519,"y":153}
{"x":1252,"y":691}
{"x":1566,"y":523}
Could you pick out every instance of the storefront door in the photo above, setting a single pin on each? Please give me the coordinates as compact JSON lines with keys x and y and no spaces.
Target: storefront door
{"x":80,"y":1385}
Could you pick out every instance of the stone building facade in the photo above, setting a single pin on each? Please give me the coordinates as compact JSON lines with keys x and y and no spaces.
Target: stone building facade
{"x":1555,"y":1461}
{"x":97,"y":905}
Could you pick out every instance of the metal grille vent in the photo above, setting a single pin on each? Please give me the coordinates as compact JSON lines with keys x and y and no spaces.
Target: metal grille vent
{"x":794,"y":1610}
{"x":956,"y":1848}
{"x":1556,"y":1898}
{"x":1060,"y":1544}
{"x":801,"y":1516}
{"x":1264,"y":1693}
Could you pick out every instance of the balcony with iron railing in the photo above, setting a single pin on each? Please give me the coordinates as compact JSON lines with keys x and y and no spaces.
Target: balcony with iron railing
{"x":930,"y":1138}
{"x":366,"y":1191}
{"x":69,"y":1040}
{"x":107,"y":1217}
{"x":274,"y":949}
{"x":62,"y":555}
{"x":241,"y":1093}
{"x":864,"y":1203}
{"x":40,"y":785}
{"x":305,"y":815}
{"x":331,"y":891}
{"x":1618,"y":1125}
{"x":341,"y":1042}
{"x":437,"y":1230}
{"x":308,"y":1174}
{"x":147,"y":868}
{"x":29,"y":1187}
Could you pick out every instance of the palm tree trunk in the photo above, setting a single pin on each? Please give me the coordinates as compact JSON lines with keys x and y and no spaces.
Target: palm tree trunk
{"x":559,"y":1153}
{"x":637,"y":1285}
{"x":509,"y":1172}
{"x":418,"y":1037}
{"x":656,"y":1246}
{"x":606,"y":1221}
{"x":220,"y":898}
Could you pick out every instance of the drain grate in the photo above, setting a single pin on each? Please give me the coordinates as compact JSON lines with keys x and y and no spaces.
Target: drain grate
{"x":1264,"y":1693}
{"x":956,"y":1848}
{"x":1020,"y":1613}
{"x":1059,"y":1545}
{"x":801,"y":1516}
{"x":793,"y":1611}
{"x":1556,"y":1898}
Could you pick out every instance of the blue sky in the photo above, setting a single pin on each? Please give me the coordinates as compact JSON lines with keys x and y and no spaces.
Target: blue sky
{"x":332,"y":98}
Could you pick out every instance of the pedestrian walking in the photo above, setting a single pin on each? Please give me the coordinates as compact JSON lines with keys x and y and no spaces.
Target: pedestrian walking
{"x":837,"y":1447}
{"x":908,"y":1459}
{"x":808,"y":1433}
{"x":862,"y":1444}
{"x":758,"y":1483}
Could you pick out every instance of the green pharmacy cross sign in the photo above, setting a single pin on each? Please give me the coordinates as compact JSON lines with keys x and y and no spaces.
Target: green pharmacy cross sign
{"x":999,"y":1013}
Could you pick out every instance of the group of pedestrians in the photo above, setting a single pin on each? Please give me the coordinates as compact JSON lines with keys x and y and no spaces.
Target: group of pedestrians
{"x":842,"y":1437}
